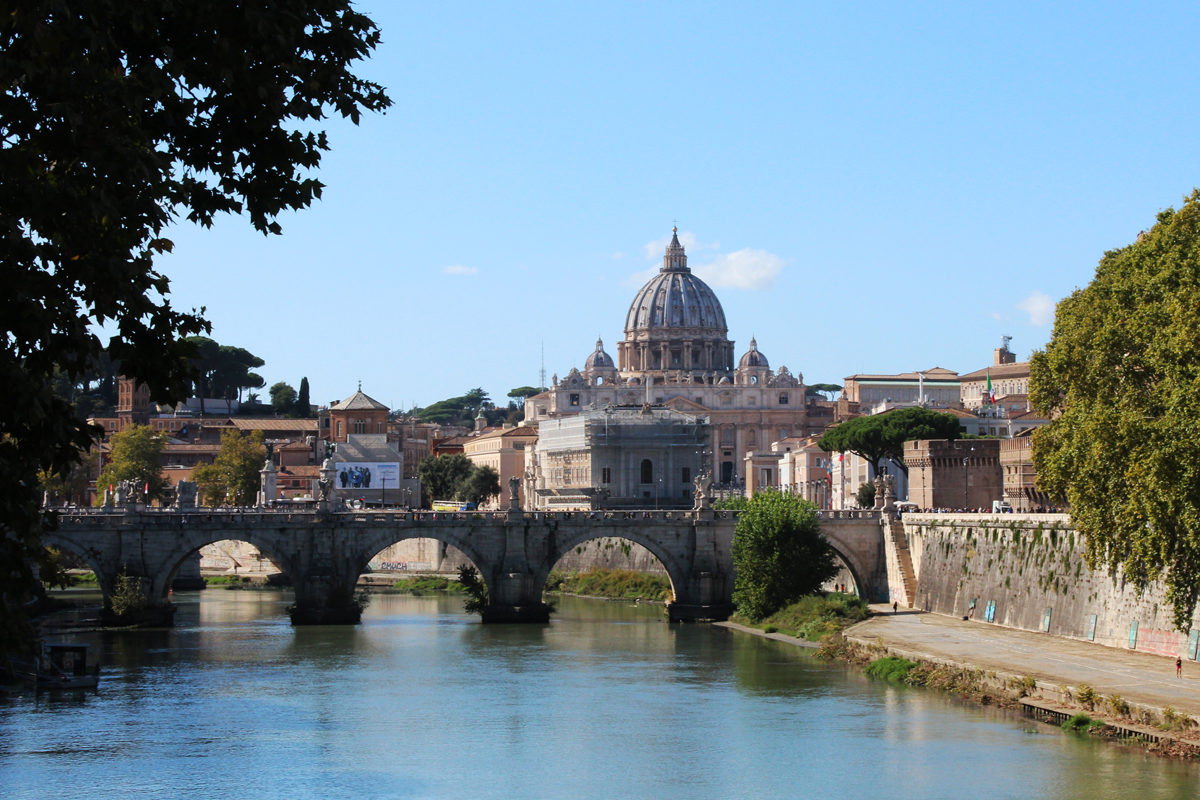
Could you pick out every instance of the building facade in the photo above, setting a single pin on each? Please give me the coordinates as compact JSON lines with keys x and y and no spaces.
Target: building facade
{"x":676,"y":353}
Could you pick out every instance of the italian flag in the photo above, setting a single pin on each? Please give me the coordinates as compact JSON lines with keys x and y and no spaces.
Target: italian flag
{"x":990,"y":394}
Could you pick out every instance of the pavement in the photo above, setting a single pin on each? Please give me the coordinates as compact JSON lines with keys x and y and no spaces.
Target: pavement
{"x":1140,"y":678}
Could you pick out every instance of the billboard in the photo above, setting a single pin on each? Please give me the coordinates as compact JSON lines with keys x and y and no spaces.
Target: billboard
{"x":357,"y":475}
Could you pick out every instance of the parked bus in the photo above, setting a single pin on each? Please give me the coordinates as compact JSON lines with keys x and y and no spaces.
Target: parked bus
{"x":453,"y":505}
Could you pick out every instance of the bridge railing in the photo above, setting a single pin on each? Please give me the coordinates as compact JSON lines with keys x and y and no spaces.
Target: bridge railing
{"x":99,"y":516}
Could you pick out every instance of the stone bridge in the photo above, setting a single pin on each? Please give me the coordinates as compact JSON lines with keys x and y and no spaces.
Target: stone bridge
{"x":325,"y":552}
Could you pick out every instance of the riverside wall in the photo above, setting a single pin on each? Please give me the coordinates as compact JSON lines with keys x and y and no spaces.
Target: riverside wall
{"x":1030,"y":571}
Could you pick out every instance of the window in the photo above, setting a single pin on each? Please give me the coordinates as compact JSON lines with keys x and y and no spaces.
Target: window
{"x":360,"y":425}
{"x":605,"y":475}
{"x":783,"y":399}
{"x":339,"y":428}
{"x":647,"y":471}
{"x":574,"y":399}
{"x":686,"y":475}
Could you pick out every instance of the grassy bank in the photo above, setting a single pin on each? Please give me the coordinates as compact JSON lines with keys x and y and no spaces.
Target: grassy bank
{"x":614,"y":584}
{"x":814,"y":618}
{"x":428,"y":584}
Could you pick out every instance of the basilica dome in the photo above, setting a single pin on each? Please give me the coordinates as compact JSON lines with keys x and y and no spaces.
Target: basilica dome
{"x":598,"y":359}
{"x":676,"y":299}
{"x":752,"y":357}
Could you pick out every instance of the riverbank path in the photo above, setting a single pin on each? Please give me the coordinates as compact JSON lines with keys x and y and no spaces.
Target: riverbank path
{"x":1140,"y":678}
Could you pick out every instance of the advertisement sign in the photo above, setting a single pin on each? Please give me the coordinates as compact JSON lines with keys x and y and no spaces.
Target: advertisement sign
{"x":358,"y":475}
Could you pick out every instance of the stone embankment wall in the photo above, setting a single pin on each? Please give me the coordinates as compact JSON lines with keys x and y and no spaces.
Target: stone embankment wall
{"x":1027,"y":571}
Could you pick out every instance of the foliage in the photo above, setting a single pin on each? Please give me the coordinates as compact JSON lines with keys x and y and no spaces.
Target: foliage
{"x":1118,"y":380}
{"x":460,"y":410}
{"x":1081,"y":722}
{"x":234,"y":476}
{"x":815,"y":617}
{"x":892,"y":669}
{"x":480,"y":484}
{"x":735,"y":502}
{"x":620,"y":584}
{"x":128,"y":595}
{"x":476,"y":589}
{"x":877,"y":437}
{"x":865,"y":496}
{"x":134,"y":454}
{"x":118,"y":120}
{"x":826,"y":389}
{"x":429,"y":584}
{"x":523,"y":392}
{"x":442,"y":475}
{"x":303,"y":404}
{"x":779,"y":554}
{"x":1086,"y":696}
{"x":283,"y":397}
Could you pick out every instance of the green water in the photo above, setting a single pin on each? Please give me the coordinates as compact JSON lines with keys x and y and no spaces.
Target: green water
{"x":607,"y":701}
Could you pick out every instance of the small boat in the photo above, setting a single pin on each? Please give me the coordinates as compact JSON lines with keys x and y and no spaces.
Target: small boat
{"x":60,"y":667}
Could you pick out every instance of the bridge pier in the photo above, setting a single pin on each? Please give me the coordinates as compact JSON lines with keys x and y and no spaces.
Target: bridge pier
{"x":515,"y":597}
{"x":326,"y":600}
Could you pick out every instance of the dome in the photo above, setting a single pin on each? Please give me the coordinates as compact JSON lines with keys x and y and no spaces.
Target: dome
{"x":753,"y":358}
{"x":599,"y":359}
{"x":676,"y":299}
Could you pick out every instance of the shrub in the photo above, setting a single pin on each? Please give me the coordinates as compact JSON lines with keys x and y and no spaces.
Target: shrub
{"x":892,"y":669}
{"x":1118,"y":705}
{"x":1086,"y":696}
{"x":1080,"y":722}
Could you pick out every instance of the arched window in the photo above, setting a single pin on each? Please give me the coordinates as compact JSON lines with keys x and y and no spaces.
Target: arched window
{"x":647,"y":471}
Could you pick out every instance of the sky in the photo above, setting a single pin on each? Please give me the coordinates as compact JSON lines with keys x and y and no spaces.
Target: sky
{"x":868,"y":187}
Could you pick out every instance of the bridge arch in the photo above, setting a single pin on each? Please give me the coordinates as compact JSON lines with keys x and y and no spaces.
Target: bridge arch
{"x":105,"y":577}
{"x":268,"y":541}
{"x":459,"y":536}
{"x":567,"y":539}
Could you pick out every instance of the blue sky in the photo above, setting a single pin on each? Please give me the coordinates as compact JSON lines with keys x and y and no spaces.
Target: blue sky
{"x":867,"y":187}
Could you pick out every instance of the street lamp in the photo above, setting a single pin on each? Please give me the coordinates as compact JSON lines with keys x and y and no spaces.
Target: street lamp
{"x":966,"y":460}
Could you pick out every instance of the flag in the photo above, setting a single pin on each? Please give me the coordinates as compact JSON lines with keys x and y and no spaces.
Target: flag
{"x":990,"y":393}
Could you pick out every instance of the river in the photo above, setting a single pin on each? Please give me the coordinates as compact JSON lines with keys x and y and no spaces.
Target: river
{"x":607,"y":701}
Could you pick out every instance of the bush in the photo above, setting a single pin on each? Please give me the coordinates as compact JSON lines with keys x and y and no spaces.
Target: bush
{"x":892,"y":669}
{"x":1082,"y":722}
{"x":817,"y":616}
{"x":1118,"y":705}
{"x":1086,"y":696}
{"x":618,"y":584}
{"x":431,"y":584}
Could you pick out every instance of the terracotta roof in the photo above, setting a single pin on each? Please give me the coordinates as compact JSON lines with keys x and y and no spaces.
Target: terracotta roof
{"x":358,"y":402}
{"x":933,"y":374}
{"x":271,"y":424}
{"x":1018,"y":370}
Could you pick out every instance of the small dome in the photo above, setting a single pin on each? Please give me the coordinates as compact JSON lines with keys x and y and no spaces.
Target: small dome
{"x":599,"y":359}
{"x":753,"y":358}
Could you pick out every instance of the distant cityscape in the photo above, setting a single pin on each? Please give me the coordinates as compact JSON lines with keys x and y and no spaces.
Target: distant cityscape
{"x":672,"y":411}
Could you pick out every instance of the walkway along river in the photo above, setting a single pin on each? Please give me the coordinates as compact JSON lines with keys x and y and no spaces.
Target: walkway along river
{"x":605,"y":701}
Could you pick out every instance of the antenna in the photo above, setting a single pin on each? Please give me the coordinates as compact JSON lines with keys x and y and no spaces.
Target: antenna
{"x":542,"y":371}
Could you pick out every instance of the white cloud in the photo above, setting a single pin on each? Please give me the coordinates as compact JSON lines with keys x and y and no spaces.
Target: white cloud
{"x":742,"y":269}
{"x":459,"y":269}
{"x":1039,"y":307}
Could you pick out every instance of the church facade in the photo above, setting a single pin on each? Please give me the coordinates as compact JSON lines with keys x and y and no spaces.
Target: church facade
{"x":676,"y":353}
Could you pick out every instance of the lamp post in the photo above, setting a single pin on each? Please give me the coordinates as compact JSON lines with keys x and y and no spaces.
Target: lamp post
{"x":383,"y":492}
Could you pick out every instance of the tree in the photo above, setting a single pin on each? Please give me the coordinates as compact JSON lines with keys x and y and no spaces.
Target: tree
{"x":882,"y":436}
{"x":234,"y":475}
{"x":480,"y":485}
{"x":826,"y":389}
{"x":283,"y":397}
{"x":865,"y":495}
{"x":118,"y":120}
{"x":779,"y":554}
{"x":134,"y":455}
{"x":1118,"y":381}
{"x":303,"y":404}
{"x":523,"y":392}
{"x":442,"y":475}
{"x":457,"y":410}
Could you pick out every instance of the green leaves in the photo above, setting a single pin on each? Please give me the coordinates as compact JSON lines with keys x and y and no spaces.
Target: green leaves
{"x":882,"y":436}
{"x":1120,"y":380}
{"x":779,"y":554}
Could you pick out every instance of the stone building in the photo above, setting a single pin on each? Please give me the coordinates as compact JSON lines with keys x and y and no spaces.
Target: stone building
{"x":1006,"y":375}
{"x":504,"y":450}
{"x":620,"y":456}
{"x":358,"y":413}
{"x":676,"y":353}
{"x":959,"y":474}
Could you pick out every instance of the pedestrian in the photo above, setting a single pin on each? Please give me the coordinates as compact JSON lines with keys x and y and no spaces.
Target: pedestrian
{"x":895,"y":606}
{"x":1178,"y":667}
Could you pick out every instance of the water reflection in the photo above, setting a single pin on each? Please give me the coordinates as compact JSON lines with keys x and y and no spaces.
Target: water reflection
{"x":607,"y":700}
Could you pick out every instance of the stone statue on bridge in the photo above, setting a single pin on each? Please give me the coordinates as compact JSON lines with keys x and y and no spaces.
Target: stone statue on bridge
{"x":703,"y":493}
{"x":185,"y":495}
{"x":514,"y":493}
